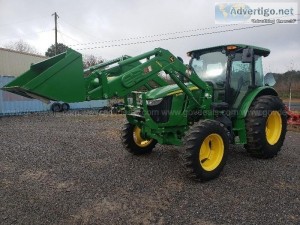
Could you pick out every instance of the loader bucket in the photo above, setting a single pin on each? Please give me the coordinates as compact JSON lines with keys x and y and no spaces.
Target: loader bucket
{"x":59,"y":78}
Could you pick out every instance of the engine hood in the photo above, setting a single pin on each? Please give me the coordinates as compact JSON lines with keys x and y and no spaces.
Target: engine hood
{"x":167,"y":91}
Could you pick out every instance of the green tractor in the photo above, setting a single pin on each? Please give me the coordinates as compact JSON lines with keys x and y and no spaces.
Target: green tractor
{"x":221,"y":97}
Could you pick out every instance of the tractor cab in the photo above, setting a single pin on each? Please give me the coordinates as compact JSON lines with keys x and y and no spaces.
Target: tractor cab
{"x":231,"y":70}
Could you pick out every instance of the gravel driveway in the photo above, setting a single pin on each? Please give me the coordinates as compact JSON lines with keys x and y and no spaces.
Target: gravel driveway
{"x":72,"y":169}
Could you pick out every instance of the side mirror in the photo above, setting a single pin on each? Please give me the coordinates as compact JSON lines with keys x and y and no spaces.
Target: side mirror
{"x":269,"y":79}
{"x":247,"y":56}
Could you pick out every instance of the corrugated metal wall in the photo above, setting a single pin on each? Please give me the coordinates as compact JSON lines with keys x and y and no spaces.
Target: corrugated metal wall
{"x":15,"y":63}
{"x":11,"y":104}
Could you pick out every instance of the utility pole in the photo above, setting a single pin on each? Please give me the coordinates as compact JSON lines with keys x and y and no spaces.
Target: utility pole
{"x":290,"y":97}
{"x":55,"y":21}
{"x":291,"y":80}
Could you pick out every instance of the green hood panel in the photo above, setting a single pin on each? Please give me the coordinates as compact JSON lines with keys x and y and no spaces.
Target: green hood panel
{"x":167,"y":90}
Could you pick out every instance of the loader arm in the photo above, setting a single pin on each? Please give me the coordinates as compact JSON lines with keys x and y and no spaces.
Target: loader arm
{"x":62,"y":77}
{"x":119,"y":81}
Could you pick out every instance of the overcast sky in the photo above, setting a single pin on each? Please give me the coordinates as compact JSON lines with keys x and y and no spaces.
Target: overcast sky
{"x":88,"y":21}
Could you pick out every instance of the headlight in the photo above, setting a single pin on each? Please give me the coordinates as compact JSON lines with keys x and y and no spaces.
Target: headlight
{"x":153,"y":102}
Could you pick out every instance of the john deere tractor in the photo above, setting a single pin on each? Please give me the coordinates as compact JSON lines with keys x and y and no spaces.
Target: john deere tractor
{"x":221,"y":97}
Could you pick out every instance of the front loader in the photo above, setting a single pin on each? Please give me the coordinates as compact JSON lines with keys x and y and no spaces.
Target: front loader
{"x":221,"y":97}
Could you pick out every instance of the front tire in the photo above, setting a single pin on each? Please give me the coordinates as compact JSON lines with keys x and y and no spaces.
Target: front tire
{"x":266,"y":125}
{"x":207,"y":145}
{"x":133,"y":141}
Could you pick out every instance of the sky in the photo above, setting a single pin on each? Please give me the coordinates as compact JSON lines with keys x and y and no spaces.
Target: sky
{"x":124,"y":22}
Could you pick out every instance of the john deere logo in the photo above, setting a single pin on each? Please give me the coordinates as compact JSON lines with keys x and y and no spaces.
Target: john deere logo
{"x":172,"y":59}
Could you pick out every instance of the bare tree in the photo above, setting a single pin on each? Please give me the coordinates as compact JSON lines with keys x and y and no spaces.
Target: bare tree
{"x":91,"y":60}
{"x":21,"y":46}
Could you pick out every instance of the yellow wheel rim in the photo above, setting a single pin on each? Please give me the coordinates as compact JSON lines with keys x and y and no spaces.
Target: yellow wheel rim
{"x":211,"y":152}
{"x":273,"y":127}
{"x":139,"y":141}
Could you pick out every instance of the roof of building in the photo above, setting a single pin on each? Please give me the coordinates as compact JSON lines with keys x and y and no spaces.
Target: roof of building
{"x":24,"y":53}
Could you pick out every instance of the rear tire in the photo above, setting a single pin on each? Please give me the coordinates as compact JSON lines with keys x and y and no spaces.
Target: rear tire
{"x":266,"y":125}
{"x":134,"y":143}
{"x":207,"y":145}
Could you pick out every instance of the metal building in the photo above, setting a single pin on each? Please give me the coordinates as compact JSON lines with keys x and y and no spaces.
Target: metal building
{"x":12,"y":64}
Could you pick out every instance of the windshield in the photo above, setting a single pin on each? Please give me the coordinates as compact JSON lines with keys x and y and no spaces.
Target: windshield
{"x":210,"y":66}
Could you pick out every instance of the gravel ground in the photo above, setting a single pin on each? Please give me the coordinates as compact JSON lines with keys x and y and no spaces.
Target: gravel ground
{"x":72,"y":169}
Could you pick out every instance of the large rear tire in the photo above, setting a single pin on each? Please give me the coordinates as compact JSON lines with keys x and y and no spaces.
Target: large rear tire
{"x":206,"y":145}
{"x":266,"y":124}
{"x":133,"y":141}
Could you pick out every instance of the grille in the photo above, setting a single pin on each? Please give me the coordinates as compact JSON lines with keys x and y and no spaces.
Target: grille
{"x":160,"y":113}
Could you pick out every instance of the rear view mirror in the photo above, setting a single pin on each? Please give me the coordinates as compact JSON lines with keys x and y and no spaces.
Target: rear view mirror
{"x":247,"y":56}
{"x":269,"y":79}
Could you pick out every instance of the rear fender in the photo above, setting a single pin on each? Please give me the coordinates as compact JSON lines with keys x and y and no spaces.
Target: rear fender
{"x":244,"y":108}
{"x":239,"y":123}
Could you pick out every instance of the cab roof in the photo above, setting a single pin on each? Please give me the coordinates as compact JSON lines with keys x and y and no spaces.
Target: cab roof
{"x":257,"y":50}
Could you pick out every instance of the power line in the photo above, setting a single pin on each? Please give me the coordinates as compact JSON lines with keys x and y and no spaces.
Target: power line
{"x":68,"y":36}
{"x":42,"y":22}
{"x":174,"y":38}
{"x":163,"y":34}
{"x":62,"y":37}
{"x":76,"y":28}
{"x":155,"y":35}
{"x":28,"y":34}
